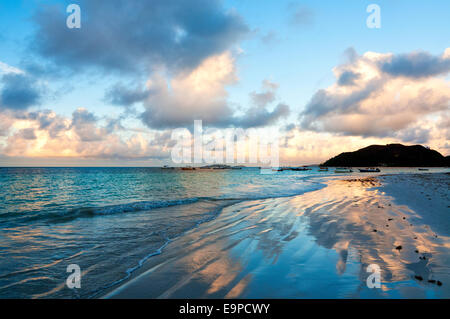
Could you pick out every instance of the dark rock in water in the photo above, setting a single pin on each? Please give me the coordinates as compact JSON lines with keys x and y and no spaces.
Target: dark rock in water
{"x":416,"y":251}
{"x":432,"y":281}
{"x":390,"y":155}
{"x":399,"y":247}
{"x":439,"y":283}
{"x":418,"y":278}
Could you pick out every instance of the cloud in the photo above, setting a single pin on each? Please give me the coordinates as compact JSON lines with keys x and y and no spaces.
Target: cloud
{"x":270,"y":38}
{"x":123,"y":96}
{"x":48,"y":135}
{"x":260,"y":116}
{"x":348,"y":78}
{"x":135,"y":36}
{"x":84,"y":124}
{"x":416,"y":64}
{"x":19,"y":91}
{"x":5,"y":68}
{"x":47,"y":120}
{"x":265,"y":97}
{"x":368,"y":101}
{"x":6,"y":121}
{"x":201,"y":95}
{"x":414,"y":135}
{"x":27,"y":134}
{"x":300,"y":15}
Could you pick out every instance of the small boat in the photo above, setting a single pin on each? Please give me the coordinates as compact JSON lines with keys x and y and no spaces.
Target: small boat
{"x":188,"y":168}
{"x":343,"y":170}
{"x":167,"y":167}
{"x":302,"y":169}
{"x":323,"y":169}
{"x":369,"y":170}
{"x":423,"y":169}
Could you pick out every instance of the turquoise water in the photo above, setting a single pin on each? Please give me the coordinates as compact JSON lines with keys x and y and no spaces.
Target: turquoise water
{"x":109,"y":221}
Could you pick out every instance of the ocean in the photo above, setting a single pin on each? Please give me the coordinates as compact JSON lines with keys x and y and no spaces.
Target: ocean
{"x":110,"y":221}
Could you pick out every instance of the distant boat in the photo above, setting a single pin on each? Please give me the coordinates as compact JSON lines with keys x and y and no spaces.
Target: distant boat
{"x":343,"y":170}
{"x":167,"y":167}
{"x":300,"y":169}
{"x":423,"y":169}
{"x":323,"y":169}
{"x":369,"y":170}
{"x":188,"y":168}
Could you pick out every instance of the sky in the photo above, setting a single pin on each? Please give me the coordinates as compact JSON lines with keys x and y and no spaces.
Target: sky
{"x":111,"y":92}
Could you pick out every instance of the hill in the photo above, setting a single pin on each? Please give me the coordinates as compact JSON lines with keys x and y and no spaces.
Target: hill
{"x":390,"y":155}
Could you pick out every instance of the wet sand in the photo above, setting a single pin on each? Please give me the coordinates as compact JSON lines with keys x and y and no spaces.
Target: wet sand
{"x":316,"y":245}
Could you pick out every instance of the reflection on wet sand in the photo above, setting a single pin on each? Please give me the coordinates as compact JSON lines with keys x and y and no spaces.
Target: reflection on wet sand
{"x":317,"y":245}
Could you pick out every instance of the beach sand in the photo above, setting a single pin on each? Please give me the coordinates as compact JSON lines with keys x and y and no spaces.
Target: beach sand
{"x":316,"y":245}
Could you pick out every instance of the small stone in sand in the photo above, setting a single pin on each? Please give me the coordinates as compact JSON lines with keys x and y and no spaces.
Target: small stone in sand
{"x":374,"y":230}
{"x":387,"y":225}
{"x":418,"y":278}
{"x":389,"y":219}
{"x":399,"y":247}
{"x":404,"y":217}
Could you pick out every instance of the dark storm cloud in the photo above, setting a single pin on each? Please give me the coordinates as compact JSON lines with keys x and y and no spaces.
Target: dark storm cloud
{"x":416,"y":65}
{"x":18,"y":92}
{"x":129,"y":36}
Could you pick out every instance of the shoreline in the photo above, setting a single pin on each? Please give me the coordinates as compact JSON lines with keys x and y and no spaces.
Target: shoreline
{"x":333,"y":225}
